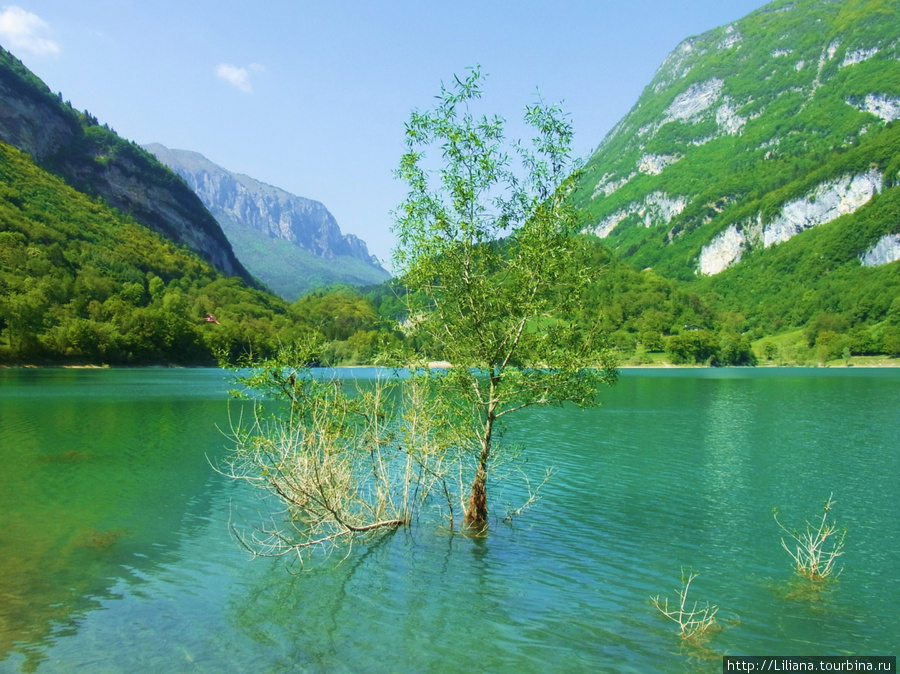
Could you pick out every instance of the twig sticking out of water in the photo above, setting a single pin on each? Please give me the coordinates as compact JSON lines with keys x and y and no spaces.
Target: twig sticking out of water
{"x":694,"y":622}
{"x":814,"y":556}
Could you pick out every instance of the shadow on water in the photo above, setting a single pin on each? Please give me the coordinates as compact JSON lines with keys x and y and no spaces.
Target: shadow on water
{"x":300,"y":610}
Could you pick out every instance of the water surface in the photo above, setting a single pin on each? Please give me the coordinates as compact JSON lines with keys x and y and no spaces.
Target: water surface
{"x":115,"y":552}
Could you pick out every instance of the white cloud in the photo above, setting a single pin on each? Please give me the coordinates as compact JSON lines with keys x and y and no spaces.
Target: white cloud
{"x":237,"y":77}
{"x":23,"y":31}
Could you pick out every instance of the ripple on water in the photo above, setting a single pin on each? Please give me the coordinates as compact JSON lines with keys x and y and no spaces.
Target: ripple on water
{"x":675,"y":472}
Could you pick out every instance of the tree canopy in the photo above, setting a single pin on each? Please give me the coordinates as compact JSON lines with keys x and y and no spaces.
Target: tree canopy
{"x":486,"y":245}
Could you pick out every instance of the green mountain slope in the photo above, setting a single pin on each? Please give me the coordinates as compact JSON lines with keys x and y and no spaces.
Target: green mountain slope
{"x":96,"y":161}
{"x":83,"y":283}
{"x":291,"y":271}
{"x":751,"y":134}
{"x":761,"y":164}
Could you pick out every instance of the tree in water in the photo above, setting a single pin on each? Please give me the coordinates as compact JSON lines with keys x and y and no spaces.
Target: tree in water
{"x":487,"y":246}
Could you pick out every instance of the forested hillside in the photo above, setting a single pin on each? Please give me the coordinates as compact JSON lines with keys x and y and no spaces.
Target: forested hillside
{"x":82,"y":283}
{"x":761,"y":166}
{"x":95,"y":160}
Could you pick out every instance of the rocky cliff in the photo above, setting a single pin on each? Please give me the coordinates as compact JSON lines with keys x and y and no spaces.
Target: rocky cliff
{"x":752,"y":134}
{"x":96,"y":161}
{"x":256,"y":215}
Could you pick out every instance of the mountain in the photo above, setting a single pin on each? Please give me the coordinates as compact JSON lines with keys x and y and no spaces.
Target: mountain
{"x":81,"y":282}
{"x":94,"y":160}
{"x":761,"y":163}
{"x":291,"y":243}
{"x":753,"y":133}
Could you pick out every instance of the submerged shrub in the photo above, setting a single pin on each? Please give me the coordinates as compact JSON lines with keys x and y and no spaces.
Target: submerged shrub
{"x":694,"y":621}
{"x":816,"y":550}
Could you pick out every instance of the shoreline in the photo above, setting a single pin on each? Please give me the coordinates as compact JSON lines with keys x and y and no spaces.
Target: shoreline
{"x":439,"y":365}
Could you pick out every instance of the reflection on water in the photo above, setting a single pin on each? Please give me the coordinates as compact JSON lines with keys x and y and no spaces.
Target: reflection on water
{"x":115,"y":553}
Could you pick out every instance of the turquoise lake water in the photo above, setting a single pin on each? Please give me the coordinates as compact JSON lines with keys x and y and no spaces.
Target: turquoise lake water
{"x":116,"y":556}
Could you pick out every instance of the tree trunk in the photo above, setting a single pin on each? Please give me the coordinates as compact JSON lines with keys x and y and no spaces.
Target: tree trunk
{"x":477,"y":512}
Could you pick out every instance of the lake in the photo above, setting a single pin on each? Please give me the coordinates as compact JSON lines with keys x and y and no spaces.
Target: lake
{"x":116,"y":553}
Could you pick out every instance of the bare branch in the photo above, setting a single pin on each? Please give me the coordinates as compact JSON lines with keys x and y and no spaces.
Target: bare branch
{"x":693,"y":621}
{"x":814,"y":555}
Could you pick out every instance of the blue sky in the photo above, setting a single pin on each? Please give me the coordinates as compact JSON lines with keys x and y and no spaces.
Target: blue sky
{"x":312,"y":96}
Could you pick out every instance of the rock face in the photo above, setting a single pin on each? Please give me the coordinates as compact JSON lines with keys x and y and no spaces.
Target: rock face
{"x":654,"y":164}
{"x":269,"y":210}
{"x":827,"y":202}
{"x":887,"y":109}
{"x":654,"y":208}
{"x":887,"y":250}
{"x":95,"y":160}
{"x":31,"y":118}
{"x":723,"y":251}
{"x":797,"y":98}
{"x":690,"y":104}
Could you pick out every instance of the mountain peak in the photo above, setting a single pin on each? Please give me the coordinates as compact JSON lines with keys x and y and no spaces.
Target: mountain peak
{"x":246,"y":207}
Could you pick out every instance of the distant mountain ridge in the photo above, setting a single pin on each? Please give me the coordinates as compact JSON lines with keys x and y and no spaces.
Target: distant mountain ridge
{"x":94,"y":160}
{"x":753,"y":133}
{"x":259,"y":218}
